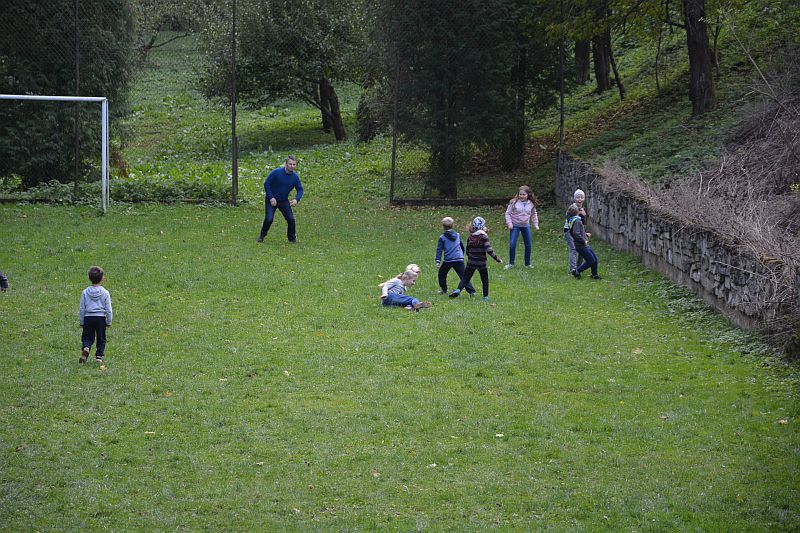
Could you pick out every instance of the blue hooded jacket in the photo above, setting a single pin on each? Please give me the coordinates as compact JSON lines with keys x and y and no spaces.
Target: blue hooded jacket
{"x":450,"y":243}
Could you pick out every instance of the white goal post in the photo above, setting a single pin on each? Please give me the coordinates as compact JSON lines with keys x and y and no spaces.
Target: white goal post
{"x":104,"y":105}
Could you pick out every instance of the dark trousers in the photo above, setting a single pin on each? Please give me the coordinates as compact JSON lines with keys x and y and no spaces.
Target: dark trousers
{"x":286,"y":210}
{"x":458,"y":266}
{"x":468,"y":272}
{"x":589,"y":257}
{"x":94,"y":326}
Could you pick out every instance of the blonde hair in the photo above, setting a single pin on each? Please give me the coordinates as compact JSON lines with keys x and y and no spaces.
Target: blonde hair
{"x":407,"y":275}
{"x":411,"y":267}
{"x":448,"y":222}
{"x":573,"y":210}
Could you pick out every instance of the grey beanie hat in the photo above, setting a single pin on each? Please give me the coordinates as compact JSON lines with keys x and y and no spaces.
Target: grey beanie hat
{"x":577,"y":193}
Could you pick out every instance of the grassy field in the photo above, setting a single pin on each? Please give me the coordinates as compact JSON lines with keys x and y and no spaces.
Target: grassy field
{"x":263,"y":387}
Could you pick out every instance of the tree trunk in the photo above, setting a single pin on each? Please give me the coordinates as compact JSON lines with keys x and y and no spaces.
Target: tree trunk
{"x":513,"y":149}
{"x":602,"y":72}
{"x":582,"y":61}
{"x":445,"y":160}
{"x":325,"y":106}
{"x":330,"y":109}
{"x":701,"y":82}
{"x":613,"y":61}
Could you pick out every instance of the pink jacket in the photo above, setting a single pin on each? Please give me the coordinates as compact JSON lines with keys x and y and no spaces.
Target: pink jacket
{"x":519,"y":213}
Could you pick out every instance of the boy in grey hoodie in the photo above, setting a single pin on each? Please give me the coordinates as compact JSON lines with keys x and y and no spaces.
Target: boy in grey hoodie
{"x":452,"y":248}
{"x":95,"y":315}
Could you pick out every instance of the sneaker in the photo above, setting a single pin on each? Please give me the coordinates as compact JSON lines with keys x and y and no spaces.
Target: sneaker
{"x":576,"y":274}
{"x":510,"y":265}
{"x":485,"y":298}
{"x":443,"y":291}
{"x":596,"y":276}
{"x":528,"y":266}
{"x":260,"y":239}
{"x":98,"y":359}
{"x":423,"y":305}
{"x":84,"y":355}
{"x":455,"y":293}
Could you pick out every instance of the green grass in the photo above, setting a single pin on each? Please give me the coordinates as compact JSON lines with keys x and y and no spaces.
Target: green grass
{"x":263,"y":387}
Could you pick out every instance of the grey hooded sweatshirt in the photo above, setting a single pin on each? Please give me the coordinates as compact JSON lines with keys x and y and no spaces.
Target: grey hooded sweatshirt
{"x":95,"y":301}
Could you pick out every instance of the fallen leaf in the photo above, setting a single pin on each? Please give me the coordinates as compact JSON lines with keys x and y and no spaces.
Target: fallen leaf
{"x":168,"y":394}
{"x":103,"y":367}
{"x":223,"y":379}
{"x":296,"y":510}
{"x":637,"y":351}
{"x":149,"y":432}
{"x":260,"y":463}
{"x":783,"y":421}
{"x":432,"y":465}
{"x":376,"y":474}
{"x":664,"y":417}
{"x":499,"y":435}
{"x":286,"y":372}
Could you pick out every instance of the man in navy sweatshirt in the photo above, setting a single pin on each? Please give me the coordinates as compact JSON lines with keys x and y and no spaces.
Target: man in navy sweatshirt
{"x":277,"y":186}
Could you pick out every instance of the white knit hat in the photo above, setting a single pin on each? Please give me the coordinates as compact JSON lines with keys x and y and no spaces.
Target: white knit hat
{"x":577,"y":193}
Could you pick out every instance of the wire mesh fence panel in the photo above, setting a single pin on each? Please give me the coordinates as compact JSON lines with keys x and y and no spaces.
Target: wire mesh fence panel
{"x":59,"y":48}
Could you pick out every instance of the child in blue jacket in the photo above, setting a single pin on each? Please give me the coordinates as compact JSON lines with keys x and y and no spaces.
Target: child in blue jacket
{"x":451,"y":247}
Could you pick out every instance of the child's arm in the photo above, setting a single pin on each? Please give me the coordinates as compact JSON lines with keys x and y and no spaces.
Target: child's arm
{"x":109,"y":311}
{"x":508,"y":215}
{"x":489,"y":250}
{"x":439,"y":250}
{"x":82,"y":309}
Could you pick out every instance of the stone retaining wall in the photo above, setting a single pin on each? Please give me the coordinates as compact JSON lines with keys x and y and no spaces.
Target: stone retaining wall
{"x":729,"y":279}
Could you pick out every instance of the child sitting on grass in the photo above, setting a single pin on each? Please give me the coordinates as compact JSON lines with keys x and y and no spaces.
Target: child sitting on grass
{"x":95,"y":315}
{"x":393,"y":292}
{"x":477,"y":248}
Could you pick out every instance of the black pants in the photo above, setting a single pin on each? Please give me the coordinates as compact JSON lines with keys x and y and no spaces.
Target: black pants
{"x":458,"y":266}
{"x":94,"y":326}
{"x":468,"y":272}
{"x":286,"y":210}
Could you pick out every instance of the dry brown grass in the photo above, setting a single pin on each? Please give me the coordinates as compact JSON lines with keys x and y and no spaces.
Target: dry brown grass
{"x":750,"y":199}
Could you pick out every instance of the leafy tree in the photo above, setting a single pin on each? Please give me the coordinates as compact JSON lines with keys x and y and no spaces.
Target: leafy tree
{"x":37,"y":56}
{"x":463,"y":73}
{"x":295,"y":49}
{"x":153,"y":17}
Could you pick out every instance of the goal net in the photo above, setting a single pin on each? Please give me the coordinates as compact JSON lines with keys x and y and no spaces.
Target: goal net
{"x":103,"y":128}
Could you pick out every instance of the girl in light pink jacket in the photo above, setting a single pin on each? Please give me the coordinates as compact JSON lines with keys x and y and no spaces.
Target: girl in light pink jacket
{"x":520,"y":216}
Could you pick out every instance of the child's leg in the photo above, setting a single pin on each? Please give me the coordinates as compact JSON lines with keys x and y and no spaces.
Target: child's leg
{"x":400,"y":300}
{"x":512,"y":245}
{"x":484,"y":272}
{"x":101,"y":337}
{"x":458,"y":266}
{"x":89,"y":330}
{"x":443,"y":270}
{"x":593,"y":262}
{"x":465,"y":280}
{"x":573,"y":254}
{"x":527,"y":238}
{"x":585,"y":253}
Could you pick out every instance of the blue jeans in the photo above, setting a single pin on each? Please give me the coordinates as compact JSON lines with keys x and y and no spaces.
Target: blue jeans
{"x":574,"y":259}
{"x":527,"y":239}
{"x":402,"y":300}
{"x":589,"y":257}
{"x":286,"y":210}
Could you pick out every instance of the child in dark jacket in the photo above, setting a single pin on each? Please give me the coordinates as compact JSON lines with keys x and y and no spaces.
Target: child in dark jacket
{"x":477,"y":247}
{"x":581,"y":240}
{"x":451,"y":247}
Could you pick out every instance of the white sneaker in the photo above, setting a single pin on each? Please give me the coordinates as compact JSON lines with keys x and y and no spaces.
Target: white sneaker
{"x":510,"y":265}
